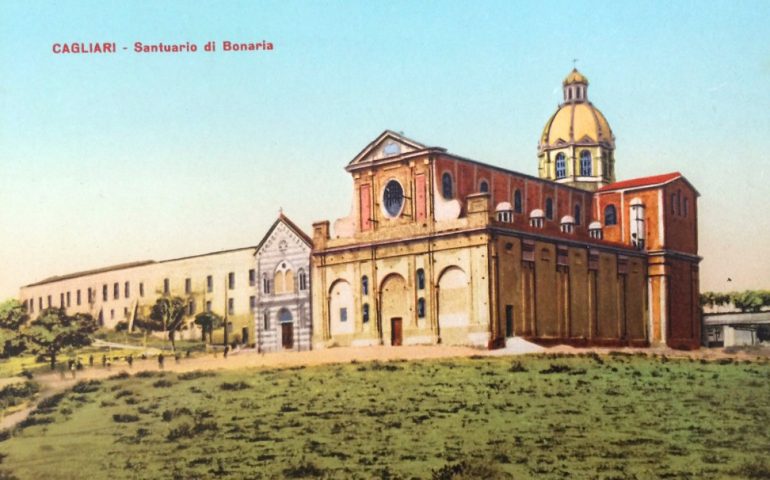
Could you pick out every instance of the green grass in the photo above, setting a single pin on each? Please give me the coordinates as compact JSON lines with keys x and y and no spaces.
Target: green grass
{"x":546,"y":417}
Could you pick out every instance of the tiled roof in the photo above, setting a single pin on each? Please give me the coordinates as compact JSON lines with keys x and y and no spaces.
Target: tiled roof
{"x":641,"y":182}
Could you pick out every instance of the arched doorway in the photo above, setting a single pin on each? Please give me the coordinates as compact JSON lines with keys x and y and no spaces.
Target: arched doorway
{"x":395,"y":307}
{"x":287,"y":328}
{"x":454,"y":304}
{"x":341,"y":309}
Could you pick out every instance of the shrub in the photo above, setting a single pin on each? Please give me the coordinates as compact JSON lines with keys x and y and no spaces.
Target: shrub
{"x":195,"y":374}
{"x":87,"y":387}
{"x":125,"y":418}
{"x":557,"y":368}
{"x":517,"y":367}
{"x":304,"y":470}
{"x":240,"y":385}
{"x":162,"y":383}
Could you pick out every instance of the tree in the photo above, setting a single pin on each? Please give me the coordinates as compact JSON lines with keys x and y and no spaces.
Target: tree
{"x":54,"y":330}
{"x":170,"y":312}
{"x":208,"y":321}
{"x":13,"y":316}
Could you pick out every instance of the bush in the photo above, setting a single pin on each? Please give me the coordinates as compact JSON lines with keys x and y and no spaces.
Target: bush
{"x":240,"y":385}
{"x":87,"y":387}
{"x":162,"y":383}
{"x":125,"y":418}
{"x":195,"y":374}
{"x":14,"y":393}
{"x":517,"y":367}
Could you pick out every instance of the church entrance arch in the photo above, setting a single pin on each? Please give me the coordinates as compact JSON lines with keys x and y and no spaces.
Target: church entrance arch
{"x":454,"y":303}
{"x":395,"y":308}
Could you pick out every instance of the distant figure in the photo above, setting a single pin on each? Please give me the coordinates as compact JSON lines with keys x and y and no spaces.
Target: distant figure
{"x":160,"y":361}
{"x":78,"y":364}
{"x":104,"y":361}
{"x":70,"y":363}
{"x":130,"y":360}
{"x":187,"y":354}
{"x":91,"y":360}
{"x":72,"y":368}
{"x":176,"y":357}
{"x":227,"y":350}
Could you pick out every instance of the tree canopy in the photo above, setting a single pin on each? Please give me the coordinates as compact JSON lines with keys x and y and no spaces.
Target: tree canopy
{"x":169,"y":312}
{"x":746,"y":301}
{"x":54,"y":330}
{"x":13,"y":316}
{"x":208,"y":321}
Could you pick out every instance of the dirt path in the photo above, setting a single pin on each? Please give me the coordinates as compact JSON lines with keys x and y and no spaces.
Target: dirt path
{"x":52,"y":383}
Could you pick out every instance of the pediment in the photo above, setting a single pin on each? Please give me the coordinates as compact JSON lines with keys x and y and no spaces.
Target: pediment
{"x":283,"y":234}
{"x":388,"y":144}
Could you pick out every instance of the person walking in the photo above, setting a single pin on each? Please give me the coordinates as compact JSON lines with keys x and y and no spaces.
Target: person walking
{"x":160,"y":361}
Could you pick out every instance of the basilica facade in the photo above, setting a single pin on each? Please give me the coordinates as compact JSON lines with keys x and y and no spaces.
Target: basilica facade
{"x":440,"y":248}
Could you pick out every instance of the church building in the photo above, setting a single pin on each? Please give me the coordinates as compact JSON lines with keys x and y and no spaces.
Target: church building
{"x":440,"y":248}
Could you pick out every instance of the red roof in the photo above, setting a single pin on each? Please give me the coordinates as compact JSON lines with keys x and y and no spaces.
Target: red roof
{"x":641,"y":182}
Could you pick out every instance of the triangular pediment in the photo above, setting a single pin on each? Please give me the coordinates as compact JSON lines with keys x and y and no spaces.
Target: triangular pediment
{"x":283,"y":229}
{"x":387,"y":144}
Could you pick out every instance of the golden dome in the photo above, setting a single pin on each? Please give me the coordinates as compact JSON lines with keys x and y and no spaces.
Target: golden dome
{"x":575,"y":77}
{"x":576,"y":123}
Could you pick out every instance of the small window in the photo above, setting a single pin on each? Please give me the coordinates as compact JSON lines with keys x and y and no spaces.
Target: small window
{"x":61,"y":300}
{"x":141,"y":289}
{"x":302,"y":280}
{"x":365,"y":313}
{"x":673,"y":203}
{"x":68,"y":299}
{"x":686,"y":207}
{"x":112,"y":314}
{"x":252,"y":277}
{"x":420,"y":279}
{"x":420,"y":307}
{"x":549,"y":209}
{"x":484,"y":186}
{"x":561,"y":166}
{"x":610,"y":215}
{"x":577,"y":215}
{"x":209,"y":283}
{"x":517,"y":201}
{"x":343,"y":314}
{"x":364,"y":285}
{"x":77,"y":297}
{"x":40,"y":303}
{"x":191,"y":307}
{"x":266,"y":320}
{"x":230,"y":306}
{"x":447,"y":188}
{"x":595,"y":230}
{"x":208,"y":306}
{"x":187,"y":285}
{"x":125,"y":312}
{"x":585,"y":164}
{"x":105,"y":293}
{"x":127,"y":289}
{"x":231,"y":280}
{"x":536,"y":218}
{"x":90,"y":295}
{"x":166,"y":286}
{"x":50,"y":301}
{"x":265,"y":283}
{"x":252,"y":302}
{"x":31,"y":305}
{"x":116,"y":290}
{"x":504,"y":216}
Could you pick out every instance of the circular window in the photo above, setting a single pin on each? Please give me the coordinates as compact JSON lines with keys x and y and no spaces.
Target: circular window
{"x":393,"y":198}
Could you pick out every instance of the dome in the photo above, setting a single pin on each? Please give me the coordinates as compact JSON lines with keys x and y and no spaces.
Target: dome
{"x":575,"y":77}
{"x":503,"y":207}
{"x":567,"y":219}
{"x":576,"y":123}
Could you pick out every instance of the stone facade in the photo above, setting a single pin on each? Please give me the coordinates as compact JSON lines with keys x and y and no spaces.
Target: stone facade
{"x":282,"y":318}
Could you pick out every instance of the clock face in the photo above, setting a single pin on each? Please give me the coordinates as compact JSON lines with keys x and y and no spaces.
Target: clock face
{"x":283,"y":246}
{"x":393,"y":198}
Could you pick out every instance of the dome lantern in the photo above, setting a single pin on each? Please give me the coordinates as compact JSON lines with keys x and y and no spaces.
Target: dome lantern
{"x":575,"y":86}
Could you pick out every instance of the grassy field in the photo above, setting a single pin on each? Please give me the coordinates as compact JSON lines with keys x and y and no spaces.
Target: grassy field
{"x":612,"y":417}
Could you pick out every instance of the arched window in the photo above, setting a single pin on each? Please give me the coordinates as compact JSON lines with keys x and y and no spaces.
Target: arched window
{"x":420,"y":279}
{"x":420,"y":307}
{"x":549,"y":209}
{"x":585,"y":163}
{"x":302,"y":279}
{"x":446,"y":186}
{"x":561,"y":166}
{"x":364,"y":285}
{"x":517,"y":201}
{"x":265,"y":283}
{"x":365,"y":313}
{"x":610,"y":215}
{"x":483,"y":186}
{"x":577,"y":214}
{"x":266,"y":320}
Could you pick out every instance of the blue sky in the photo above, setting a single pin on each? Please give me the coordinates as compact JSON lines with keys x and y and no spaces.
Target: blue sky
{"x":123,"y":157}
